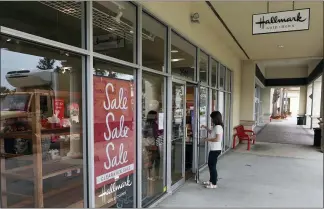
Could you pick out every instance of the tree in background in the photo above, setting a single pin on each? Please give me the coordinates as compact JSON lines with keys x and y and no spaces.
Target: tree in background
{"x":45,"y":64}
{"x":4,"y":89}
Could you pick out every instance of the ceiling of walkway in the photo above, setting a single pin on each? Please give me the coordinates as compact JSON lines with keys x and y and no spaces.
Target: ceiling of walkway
{"x":296,"y":48}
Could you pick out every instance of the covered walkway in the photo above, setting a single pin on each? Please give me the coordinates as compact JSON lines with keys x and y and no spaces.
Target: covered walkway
{"x":288,"y":173}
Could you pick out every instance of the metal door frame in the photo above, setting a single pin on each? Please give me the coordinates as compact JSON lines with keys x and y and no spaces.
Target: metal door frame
{"x":195,"y":129}
{"x":182,"y":180}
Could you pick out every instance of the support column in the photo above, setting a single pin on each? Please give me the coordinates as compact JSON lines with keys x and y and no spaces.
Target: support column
{"x":266,"y":104}
{"x":247,"y":94}
{"x":302,"y":101}
{"x":74,"y":107}
{"x":316,"y":112}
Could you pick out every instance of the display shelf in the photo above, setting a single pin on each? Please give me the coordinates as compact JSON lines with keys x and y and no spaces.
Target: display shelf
{"x":49,"y":170}
{"x":57,"y":198}
{"x":39,"y":170}
{"x":44,"y":132}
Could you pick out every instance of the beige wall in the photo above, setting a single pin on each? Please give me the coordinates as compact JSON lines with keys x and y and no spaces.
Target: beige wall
{"x":312,"y":65}
{"x":262,"y":69}
{"x":177,"y":15}
{"x":286,"y":72}
{"x":302,"y":100}
{"x":247,"y":90}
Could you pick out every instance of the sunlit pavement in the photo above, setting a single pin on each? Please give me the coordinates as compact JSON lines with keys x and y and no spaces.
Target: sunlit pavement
{"x":269,"y":175}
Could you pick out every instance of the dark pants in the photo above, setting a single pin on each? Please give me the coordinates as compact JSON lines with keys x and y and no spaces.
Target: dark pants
{"x":212,"y":161}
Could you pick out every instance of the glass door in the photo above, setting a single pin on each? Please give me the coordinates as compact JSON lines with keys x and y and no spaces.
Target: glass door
{"x":202,"y":121}
{"x":178,"y":133}
{"x":221,"y":109}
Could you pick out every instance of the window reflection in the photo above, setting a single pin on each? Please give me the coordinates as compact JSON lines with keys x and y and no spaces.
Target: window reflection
{"x":203,"y":67}
{"x":41,"y":126}
{"x":114,"y":135}
{"x":153,"y":137}
{"x":228,"y":80}
{"x":214,"y":73}
{"x":222,"y":74}
{"x":114,"y":29}
{"x":55,"y":20}
{"x":183,"y":55}
{"x":153,"y":38}
{"x":203,"y":119}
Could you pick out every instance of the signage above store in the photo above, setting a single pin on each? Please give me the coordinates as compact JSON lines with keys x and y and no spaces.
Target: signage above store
{"x":276,"y":22}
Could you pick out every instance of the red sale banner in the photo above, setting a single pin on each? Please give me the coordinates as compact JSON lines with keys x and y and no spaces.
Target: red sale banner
{"x":114,"y":130}
{"x":59,"y":108}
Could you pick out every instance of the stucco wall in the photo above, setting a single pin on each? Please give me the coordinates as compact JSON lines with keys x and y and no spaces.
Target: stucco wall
{"x":286,"y":72}
{"x":203,"y":35}
{"x":247,"y":90}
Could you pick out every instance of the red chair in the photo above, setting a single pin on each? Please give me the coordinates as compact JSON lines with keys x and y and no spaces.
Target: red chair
{"x":242,"y":135}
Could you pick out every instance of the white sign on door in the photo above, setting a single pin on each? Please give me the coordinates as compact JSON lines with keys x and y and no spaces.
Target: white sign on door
{"x":275,"y":22}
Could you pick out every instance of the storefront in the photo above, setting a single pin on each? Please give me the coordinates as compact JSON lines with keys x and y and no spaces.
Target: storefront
{"x":101,"y":105}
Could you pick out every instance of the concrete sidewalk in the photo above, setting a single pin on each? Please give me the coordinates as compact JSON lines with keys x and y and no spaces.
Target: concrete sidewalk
{"x":270,"y":175}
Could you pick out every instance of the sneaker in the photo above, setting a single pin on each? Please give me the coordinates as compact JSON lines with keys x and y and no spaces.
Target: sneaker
{"x":206,"y":182}
{"x":211,"y":186}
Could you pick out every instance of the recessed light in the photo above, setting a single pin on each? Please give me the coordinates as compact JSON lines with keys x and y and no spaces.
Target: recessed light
{"x":9,"y":39}
{"x":280,"y":46}
{"x":174,"y":51}
{"x":177,"y":60}
{"x":131,"y":32}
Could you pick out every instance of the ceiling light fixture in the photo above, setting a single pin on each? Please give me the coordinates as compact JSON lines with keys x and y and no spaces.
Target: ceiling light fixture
{"x":9,"y":39}
{"x":174,"y":51}
{"x":177,"y":60}
{"x":131,"y":32}
{"x":119,"y":15}
{"x":280,"y":46}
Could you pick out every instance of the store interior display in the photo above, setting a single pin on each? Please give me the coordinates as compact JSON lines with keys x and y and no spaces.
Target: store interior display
{"x":153,"y":138}
{"x":41,"y":127}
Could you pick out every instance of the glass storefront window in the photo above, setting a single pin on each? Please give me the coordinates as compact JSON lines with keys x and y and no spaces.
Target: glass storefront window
{"x":221,"y":109}
{"x":203,"y":119}
{"x":203,"y":67}
{"x":41,"y":126}
{"x":114,"y":135}
{"x":154,"y":45}
{"x":214,"y":74}
{"x":153,"y":130}
{"x":222,"y":75}
{"x":183,"y":56}
{"x":114,"y":29}
{"x":226,"y":118}
{"x":228,"y":80}
{"x":56,"y":20}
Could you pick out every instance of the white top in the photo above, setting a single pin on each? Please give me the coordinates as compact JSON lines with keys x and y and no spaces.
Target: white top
{"x":216,"y":145}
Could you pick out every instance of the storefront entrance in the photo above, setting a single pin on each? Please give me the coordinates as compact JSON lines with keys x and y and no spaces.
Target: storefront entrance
{"x":185,"y":140}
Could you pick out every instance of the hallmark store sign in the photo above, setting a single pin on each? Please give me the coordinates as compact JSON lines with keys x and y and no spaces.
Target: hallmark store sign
{"x":276,"y":22}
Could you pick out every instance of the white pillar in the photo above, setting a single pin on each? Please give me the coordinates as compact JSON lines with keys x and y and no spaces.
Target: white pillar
{"x":266,"y":104}
{"x":316,"y":112}
{"x":75,"y":139}
{"x":302,"y":101}
{"x":247,"y":94}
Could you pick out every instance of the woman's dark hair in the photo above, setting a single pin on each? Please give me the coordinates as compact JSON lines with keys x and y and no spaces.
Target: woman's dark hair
{"x":151,"y":116}
{"x":217,"y":119}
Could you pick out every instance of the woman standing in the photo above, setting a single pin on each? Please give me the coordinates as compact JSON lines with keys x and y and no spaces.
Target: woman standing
{"x":151,"y":135}
{"x":215,"y":145}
